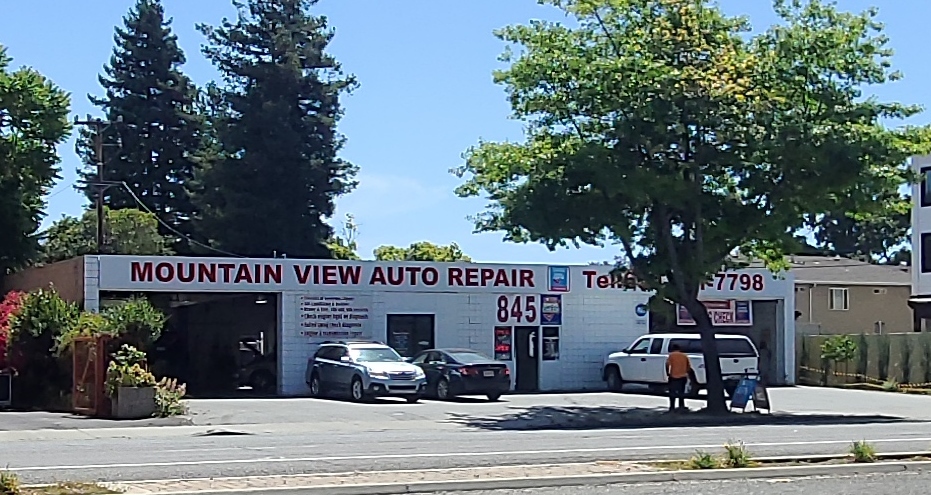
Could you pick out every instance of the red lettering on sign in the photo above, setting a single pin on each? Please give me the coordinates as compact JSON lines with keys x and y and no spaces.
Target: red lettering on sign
{"x":737,"y":282}
{"x":395,"y":276}
{"x":273,"y":274}
{"x":303,"y":274}
{"x":330,"y":275}
{"x":472,"y":277}
{"x":207,"y":272}
{"x":140,"y":272}
{"x":164,"y":272}
{"x":431,"y":276}
{"x":350,"y":275}
{"x":226,"y":269}
{"x":378,"y":277}
{"x":326,"y":274}
{"x":243,"y":275}
{"x":455,"y":277}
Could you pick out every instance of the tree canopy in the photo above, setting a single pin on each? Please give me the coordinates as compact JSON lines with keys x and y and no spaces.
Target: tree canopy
{"x":276,"y":172}
{"x":129,"y":231}
{"x":421,"y":251}
{"x":152,"y":148}
{"x":33,"y":122}
{"x":667,"y":128}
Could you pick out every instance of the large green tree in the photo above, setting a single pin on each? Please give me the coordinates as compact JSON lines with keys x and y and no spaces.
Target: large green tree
{"x":130,"y":231}
{"x":877,"y":233}
{"x":153,"y":143}
{"x":666,"y":128}
{"x":33,"y":122}
{"x":421,"y":251}
{"x":277,"y":172}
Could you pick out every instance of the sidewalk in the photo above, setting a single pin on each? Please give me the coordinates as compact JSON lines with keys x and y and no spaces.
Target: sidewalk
{"x":260,"y":483}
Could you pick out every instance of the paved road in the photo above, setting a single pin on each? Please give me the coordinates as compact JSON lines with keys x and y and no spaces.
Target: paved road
{"x":897,"y":484}
{"x":308,"y":436}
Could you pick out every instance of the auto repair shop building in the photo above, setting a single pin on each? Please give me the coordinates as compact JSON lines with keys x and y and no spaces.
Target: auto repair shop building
{"x":552,"y":324}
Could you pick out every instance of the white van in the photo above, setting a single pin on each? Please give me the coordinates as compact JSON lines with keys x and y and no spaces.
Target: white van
{"x":644,"y":361}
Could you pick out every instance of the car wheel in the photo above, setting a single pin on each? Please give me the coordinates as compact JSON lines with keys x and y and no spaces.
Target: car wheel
{"x":357,"y":390}
{"x":494,"y":397}
{"x":412,"y":399}
{"x":615,"y":382}
{"x":442,"y":389}
{"x":315,"y":385}
{"x":262,"y":381}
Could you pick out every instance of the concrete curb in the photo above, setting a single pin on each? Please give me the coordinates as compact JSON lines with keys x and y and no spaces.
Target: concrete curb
{"x":587,"y":479}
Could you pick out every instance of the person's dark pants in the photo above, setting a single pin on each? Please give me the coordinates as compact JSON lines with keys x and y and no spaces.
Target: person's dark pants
{"x":677,"y":391}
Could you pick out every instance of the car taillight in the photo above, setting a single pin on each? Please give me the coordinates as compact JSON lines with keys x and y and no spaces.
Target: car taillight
{"x":507,"y":371}
{"x":467,"y":371}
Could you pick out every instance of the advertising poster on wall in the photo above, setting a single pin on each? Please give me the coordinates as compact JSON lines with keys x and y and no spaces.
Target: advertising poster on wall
{"x":728,"y":313}
{"x":335,"y":317}
{"x":551,"y":310}
{"x":503,"y":343}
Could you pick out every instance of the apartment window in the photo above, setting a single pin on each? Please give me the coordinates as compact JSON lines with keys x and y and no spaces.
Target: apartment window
{"x":840,"y":300}
{"x":925,"y":187}
{"x":926,"y":252}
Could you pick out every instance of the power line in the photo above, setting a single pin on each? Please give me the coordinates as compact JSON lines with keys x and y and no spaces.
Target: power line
{"x":172,"y":229}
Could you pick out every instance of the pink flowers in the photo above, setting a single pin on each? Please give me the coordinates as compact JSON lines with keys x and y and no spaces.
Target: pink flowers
{"x":10,"y":305}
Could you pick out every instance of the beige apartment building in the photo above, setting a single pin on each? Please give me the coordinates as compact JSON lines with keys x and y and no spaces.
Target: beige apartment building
{"x":843,"y":296}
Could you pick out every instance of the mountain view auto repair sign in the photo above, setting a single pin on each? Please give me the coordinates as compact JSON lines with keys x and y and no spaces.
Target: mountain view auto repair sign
{"x":273,"y":275}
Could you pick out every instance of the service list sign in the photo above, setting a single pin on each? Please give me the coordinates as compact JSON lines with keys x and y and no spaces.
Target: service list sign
{"x":334,"y":316}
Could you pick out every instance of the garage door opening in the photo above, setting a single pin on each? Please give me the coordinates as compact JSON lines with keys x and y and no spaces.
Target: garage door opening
{"x":220,"y":345}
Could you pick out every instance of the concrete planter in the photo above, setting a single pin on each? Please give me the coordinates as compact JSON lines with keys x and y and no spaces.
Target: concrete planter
{"x":134,"y":403}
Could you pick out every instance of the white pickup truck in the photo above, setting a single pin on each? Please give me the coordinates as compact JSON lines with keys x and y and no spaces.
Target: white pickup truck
{"x":644,"y":361}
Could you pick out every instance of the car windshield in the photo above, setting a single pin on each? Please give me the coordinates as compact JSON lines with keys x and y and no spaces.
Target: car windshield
{"x":467,"y":357}
{"x":375,"y":355}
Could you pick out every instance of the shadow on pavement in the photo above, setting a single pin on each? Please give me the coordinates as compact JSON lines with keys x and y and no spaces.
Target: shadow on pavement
{"x":595,"y":417}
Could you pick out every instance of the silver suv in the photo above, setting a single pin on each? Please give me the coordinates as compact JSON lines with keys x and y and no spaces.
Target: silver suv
{"x":364,"y":370}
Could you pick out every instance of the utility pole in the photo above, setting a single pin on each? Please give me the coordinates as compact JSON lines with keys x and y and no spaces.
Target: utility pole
{"x":100,"y":185}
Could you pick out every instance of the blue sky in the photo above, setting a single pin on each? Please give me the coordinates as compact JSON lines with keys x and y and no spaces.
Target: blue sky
{"x":426,"y":95}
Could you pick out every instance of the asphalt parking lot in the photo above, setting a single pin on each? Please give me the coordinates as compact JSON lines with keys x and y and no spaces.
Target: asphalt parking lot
{"x":788,"y":400}
{"x":512,"y":410}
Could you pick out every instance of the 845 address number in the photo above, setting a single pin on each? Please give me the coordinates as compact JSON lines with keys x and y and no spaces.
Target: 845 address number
{"x":517,"y":309}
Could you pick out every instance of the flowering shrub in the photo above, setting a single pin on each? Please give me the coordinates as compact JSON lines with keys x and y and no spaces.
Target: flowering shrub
{"x":8,"y":307}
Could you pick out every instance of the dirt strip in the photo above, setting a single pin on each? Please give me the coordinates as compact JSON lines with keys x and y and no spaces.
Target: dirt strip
{"x":377,"y":477}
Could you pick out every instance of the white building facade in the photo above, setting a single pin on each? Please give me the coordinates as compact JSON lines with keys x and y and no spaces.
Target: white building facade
{"x":553,"y":325}
{"x":921,"y":244}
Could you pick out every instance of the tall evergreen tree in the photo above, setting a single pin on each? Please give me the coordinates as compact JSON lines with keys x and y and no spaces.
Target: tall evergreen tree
{"x":152,"y":145}
{"x":277,"y":174}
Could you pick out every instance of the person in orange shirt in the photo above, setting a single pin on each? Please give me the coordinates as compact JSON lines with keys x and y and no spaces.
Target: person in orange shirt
{"x":678,"y":367}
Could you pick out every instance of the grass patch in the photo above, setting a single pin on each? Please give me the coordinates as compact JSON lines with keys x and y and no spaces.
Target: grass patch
{"x":737,"y":456}
{"x":863,"y":452}
{"x":704,"y":460}
{"x":69,"y":488}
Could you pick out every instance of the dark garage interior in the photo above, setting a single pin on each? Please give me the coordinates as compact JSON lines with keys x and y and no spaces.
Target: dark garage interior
{"x":219,"y":344}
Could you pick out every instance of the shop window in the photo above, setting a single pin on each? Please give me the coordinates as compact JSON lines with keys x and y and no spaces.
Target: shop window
{"x":503,"y":343}
{"x":839,"y":299}
{"x":411,"y":334}
{"x":550,"y":343}
{"x":926,"y":252}
{"x":925,"y":187}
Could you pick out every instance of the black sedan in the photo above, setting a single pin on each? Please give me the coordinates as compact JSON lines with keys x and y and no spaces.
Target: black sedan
{"x":455,"y":372}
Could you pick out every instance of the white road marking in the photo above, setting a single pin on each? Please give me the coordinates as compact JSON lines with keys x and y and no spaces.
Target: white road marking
{"x":278,"y":460}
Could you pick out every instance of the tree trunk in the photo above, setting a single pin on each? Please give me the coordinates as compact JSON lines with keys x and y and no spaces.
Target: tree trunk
{"x":709,"y":346}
